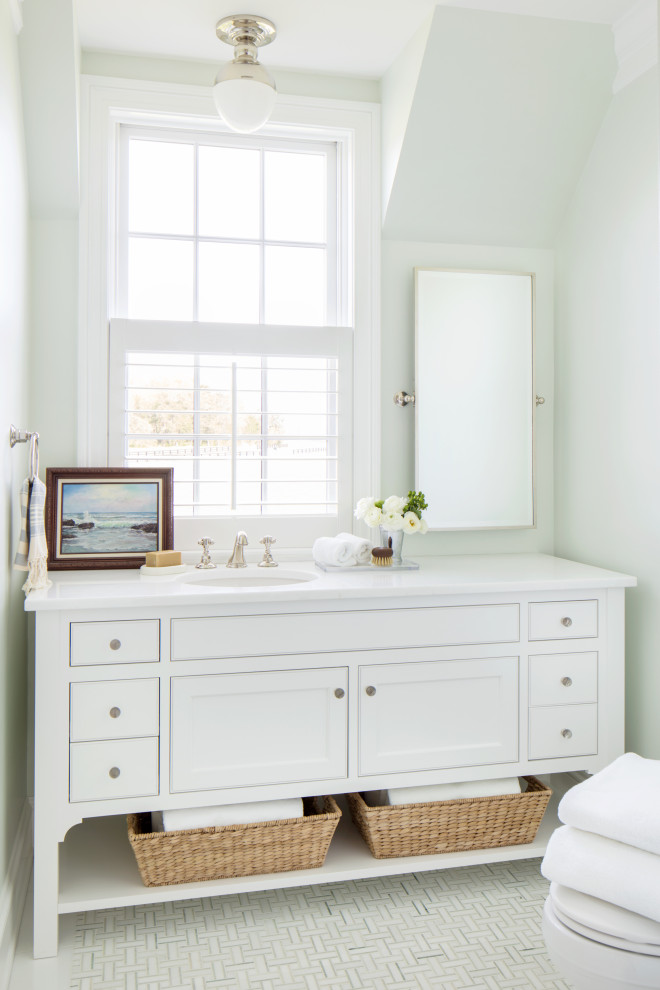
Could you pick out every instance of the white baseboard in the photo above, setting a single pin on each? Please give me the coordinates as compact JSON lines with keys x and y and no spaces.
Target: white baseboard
{"x":12,"y":893}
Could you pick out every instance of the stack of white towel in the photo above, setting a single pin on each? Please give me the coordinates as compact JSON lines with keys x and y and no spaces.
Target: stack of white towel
{"x":227,"y":814}
{"x":609,"y":844}
{"x":343,"y":550}
{"x":444,"y":792}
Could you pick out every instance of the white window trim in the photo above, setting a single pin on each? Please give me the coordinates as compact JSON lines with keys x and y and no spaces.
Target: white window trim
{"x":105,"y":104}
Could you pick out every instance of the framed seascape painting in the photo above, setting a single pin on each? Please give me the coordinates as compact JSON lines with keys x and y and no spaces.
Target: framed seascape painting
{"x":106,"y":517}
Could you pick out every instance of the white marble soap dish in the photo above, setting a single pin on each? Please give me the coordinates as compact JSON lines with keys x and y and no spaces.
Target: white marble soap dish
{"x":161,"y":572}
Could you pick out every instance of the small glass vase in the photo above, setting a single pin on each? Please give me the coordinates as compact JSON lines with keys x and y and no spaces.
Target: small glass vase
{"x":396,"y":538}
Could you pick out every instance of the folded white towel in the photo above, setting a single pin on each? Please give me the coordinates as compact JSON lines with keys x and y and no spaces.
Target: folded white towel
{"x":610,"y":870}
{"x":452,"y":792}
{"x":621,"y":802}
{"x":227,"y":814}
{"x":361,"y":547}
{"x":344,"y":550}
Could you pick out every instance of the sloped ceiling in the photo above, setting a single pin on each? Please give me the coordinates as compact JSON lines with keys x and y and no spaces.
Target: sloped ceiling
{"x":504,"y":114}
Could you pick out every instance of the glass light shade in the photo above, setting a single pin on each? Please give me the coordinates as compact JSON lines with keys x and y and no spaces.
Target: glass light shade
{"x":244,"y":95}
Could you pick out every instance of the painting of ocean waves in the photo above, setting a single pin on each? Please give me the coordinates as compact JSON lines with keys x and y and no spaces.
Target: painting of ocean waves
{"x":128,"y":532}
{"x":109,"y":518}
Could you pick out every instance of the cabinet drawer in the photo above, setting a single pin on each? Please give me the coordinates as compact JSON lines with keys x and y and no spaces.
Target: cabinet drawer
{"x":119,"y":768}
{"x":563,"y":620}
{"x":565,"y":730}
{"x":563,"y":679}
{"x":444,"y":713}
{"x":200,"y":639}
{"x":114,"y":709}
{"x":131,"y":641}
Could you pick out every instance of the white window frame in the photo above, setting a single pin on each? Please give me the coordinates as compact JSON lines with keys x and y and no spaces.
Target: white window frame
{"x":106,"y":105}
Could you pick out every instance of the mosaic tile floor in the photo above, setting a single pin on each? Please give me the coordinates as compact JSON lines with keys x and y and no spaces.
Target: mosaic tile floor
{"x":460,"y":929}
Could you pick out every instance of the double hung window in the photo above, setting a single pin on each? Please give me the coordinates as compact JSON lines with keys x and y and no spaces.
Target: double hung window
{"x":227,"y":362}
{"x":229,"y":306}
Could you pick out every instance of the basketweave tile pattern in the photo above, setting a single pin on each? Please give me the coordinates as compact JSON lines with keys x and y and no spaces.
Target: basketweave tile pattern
{"x":459,"y":929}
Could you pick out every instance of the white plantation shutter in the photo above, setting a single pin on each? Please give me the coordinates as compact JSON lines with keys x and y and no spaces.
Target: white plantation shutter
{"x":254,"y":423}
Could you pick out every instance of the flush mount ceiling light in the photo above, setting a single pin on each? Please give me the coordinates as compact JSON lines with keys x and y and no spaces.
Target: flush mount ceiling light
{"x":244,"y":92}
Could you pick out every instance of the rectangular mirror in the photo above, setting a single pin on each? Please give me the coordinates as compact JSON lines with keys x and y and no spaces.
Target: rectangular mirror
{"x":474,"y":398}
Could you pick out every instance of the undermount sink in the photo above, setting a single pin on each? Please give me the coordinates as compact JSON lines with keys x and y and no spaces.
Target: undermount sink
{"x":246,"y":578}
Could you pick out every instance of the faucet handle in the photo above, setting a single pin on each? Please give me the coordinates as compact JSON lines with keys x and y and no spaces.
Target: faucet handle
{"x":268,"y":561}
{"x":205,"y":563}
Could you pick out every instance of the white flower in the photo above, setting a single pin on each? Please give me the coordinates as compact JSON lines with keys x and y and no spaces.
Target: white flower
{"x":412,"y":523}
{"x":363,"y":506}
{"x":394,"y":504}
{"x":391,"y":520}
{"x":423,"y":526}
{"x":373,"y":516}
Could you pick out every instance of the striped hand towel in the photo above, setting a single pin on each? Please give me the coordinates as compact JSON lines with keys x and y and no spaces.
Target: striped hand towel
{"x":33,"y":537}
{"x":21,"y":558}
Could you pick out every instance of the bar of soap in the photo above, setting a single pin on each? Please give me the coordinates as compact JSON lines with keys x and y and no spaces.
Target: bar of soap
{"x":163,"y":558}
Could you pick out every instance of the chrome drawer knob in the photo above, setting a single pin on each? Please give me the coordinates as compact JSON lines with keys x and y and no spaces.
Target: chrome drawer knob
{"x":370,"y":691}
{"x":115,"y":712}
{"x":567,"y":621}
{"x":566,"y":733}
{"x":115,"y":644}
{"x":339,"y":692}
{"x":567,"y":681}
{"x":114,"y":772}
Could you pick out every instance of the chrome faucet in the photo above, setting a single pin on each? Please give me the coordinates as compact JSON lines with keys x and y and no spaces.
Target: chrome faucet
{"x":236,"y":559}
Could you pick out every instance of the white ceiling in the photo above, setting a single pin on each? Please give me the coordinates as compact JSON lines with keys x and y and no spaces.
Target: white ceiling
{"x":348,"y":37}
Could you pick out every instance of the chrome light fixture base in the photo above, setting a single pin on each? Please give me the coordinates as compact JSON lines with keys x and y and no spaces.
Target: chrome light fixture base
{"x":245,"y":30}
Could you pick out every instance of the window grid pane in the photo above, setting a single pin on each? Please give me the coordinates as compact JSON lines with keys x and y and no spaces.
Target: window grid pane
{"x":256,"y":451}
{"x":227,"y":233}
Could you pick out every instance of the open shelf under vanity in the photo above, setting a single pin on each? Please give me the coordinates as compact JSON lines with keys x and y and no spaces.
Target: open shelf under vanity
{"x":98,"y":868}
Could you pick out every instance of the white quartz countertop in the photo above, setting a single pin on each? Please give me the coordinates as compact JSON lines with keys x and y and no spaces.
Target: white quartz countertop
{"x":459,"y":575}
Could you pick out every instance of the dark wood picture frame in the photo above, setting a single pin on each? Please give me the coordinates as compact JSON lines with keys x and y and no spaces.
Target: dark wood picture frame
{"x":78,"y":541}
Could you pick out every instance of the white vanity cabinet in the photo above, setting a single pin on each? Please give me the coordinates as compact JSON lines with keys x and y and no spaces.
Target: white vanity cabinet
{"x":152,"y":696}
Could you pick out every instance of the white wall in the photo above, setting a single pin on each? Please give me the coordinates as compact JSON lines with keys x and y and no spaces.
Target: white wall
{"x":607,"y":430}
{"x":13,"y":463}
{"x":399,"y":258}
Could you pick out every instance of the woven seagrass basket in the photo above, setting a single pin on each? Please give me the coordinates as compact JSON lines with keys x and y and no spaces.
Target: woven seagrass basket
{"x":451,"y":826}
{"x":193,"y":855}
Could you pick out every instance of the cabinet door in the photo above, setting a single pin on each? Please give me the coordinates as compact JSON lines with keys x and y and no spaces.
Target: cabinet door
{"x":231,"y":730}
{"x":443,"y":713}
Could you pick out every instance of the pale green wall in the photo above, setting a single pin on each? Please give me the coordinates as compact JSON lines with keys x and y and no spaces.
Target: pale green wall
{"x":197,"y":73}
{"x":13,"y":463}
{"x":506,"y":109}
{"x":49,"y":57}
{"x":607,"y":430}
